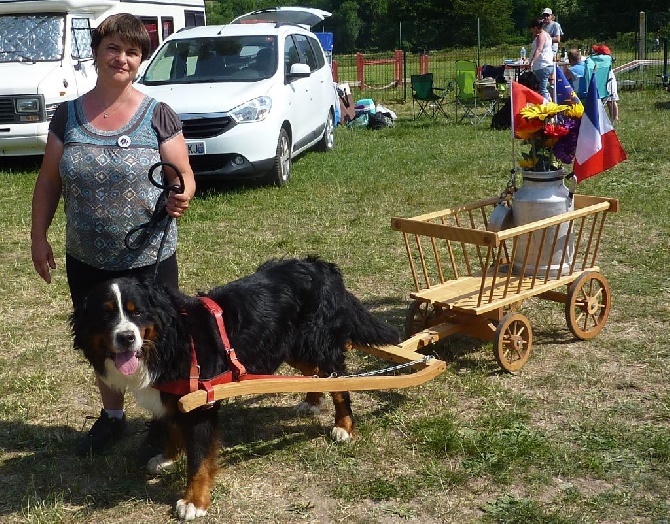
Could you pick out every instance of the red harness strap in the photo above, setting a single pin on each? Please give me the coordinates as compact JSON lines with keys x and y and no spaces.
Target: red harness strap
{"x":237,"y":372}
{"x":216,"y":311}
{"x":193,"y":383}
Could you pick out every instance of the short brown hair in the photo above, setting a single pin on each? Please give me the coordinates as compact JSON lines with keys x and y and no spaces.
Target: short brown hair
{"x":574,"y":56}
{"x":127,"y":27}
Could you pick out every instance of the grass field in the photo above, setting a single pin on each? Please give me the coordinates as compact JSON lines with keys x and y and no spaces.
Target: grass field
{"x":580,"y":435}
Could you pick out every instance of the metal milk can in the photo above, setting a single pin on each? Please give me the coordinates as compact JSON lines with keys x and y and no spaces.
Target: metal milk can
{"x":543,"y":195}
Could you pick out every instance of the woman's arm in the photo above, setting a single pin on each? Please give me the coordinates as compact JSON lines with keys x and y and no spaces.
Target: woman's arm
{"x":46,"y":195}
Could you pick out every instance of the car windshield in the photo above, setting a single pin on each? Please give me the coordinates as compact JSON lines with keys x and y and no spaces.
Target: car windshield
{"x":31,"y":38}
{"x":213,"y":59}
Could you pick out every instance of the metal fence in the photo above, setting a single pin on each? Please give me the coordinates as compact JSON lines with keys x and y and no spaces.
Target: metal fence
{"x":384,"y":77}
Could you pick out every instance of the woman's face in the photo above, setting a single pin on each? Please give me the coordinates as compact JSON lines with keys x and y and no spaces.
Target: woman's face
{"x":117,"y":60}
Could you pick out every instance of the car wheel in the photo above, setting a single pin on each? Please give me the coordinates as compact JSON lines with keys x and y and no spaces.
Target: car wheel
{"x":328,"y":140}
{"x":281,"y":170}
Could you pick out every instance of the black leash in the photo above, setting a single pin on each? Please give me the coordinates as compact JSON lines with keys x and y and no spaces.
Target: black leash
{"x":138,"y":236}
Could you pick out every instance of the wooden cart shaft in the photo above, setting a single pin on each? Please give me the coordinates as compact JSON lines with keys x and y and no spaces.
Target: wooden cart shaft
{"x":426,"y":369}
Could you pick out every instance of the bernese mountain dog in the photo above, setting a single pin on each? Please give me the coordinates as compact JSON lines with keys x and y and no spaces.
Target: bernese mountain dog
{"x":145,"y":338}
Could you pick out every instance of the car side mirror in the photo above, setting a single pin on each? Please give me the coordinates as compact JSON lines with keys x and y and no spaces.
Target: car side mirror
{"x":299,"y":71}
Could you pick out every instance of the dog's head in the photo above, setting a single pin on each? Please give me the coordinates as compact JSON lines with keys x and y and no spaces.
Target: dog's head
{"x":118,"y":321}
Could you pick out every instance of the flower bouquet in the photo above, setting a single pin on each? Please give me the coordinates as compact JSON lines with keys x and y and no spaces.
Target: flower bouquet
{"x":551,"y":131}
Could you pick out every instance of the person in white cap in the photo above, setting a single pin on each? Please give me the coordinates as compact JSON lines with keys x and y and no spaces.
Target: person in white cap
{"x":553,"y":28}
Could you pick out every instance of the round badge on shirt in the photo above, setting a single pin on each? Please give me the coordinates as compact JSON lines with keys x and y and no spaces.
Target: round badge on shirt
{"x":124,"y":141}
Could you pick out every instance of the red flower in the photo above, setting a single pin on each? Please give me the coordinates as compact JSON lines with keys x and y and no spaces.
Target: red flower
{"x":555,"y":131}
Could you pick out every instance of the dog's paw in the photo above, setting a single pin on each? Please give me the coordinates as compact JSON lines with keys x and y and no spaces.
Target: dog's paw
{"x":340,"y":434}
{"x":306,"y":408}
{"x":159,"y":464}
{"x":187,"y":510}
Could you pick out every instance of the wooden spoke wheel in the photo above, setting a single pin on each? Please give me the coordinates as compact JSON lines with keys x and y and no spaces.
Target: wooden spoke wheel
{"x":420,"y":315}
{"x":513,"y":341}
{"x":588,"y":305}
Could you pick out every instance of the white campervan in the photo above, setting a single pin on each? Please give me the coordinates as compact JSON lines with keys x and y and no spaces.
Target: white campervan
{"x":46,"y":59}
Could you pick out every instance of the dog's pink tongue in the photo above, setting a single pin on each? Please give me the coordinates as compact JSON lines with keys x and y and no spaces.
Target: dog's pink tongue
{"x":126,"y":362}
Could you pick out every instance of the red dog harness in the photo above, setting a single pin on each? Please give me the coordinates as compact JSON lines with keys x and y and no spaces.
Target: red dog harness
{"x":237,"y":371}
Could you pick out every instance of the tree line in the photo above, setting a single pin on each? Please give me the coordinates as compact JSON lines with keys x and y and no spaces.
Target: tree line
{"x":424,"y":25}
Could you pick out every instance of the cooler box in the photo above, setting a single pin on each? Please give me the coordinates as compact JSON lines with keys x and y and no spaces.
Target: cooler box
{"x":364,"y":105}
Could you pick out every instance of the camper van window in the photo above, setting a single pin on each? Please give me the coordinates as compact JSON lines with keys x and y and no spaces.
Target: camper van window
{"x":168,"y":26}
{"x":194,"y":18}
{"x":151,"y":23}
{"x":31,"y":38}
{"x":81,"y":39}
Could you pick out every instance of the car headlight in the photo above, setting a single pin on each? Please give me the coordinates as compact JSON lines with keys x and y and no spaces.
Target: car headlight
{"x":28,"y":105}
{"x":252,"y":111}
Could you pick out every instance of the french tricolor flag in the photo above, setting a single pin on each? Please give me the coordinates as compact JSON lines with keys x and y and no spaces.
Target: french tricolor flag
{"x":598,"y":147}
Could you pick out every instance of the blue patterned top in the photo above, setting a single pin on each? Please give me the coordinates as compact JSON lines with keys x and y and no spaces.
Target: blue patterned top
{"x":106,"y":188}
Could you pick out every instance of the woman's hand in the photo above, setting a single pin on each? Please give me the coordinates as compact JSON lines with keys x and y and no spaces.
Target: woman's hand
{"x":177,"y":204}
{"x":43,"y":259}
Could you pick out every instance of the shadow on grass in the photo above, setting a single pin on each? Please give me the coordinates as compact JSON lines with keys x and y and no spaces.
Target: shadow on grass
{"x":20,"y":164}
{"x":40,"y":470}
{"x":472,"y":354}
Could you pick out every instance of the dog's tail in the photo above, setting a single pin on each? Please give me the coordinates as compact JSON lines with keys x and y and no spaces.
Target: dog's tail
{"x":366,"y":329}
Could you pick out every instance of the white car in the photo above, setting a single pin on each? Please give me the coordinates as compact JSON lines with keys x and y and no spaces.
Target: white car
{"x":251,"y":95}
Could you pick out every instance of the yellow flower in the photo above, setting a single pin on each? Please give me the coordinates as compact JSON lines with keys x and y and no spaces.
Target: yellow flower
{"x":575,"y":111}
{"x":527,"y":163}
{"x":543,"y":111}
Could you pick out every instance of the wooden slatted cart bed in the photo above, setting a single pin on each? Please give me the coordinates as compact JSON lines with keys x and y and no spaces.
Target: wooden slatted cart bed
{"x":470,"y":280}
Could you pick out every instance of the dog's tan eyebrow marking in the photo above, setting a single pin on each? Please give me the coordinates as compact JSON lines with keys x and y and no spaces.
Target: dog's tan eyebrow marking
{"x":130,"y":306}
{"x":108,"y":306}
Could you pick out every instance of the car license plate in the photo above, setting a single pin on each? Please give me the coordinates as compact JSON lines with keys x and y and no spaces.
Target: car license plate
{"x":196,"y":148}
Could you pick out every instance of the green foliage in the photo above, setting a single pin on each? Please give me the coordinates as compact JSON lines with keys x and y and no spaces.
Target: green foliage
{"x":383,"y":25}
{"x":347,"y":26}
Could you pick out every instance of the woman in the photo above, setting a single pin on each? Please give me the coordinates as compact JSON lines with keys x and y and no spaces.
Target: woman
{"x":98,"y":153}
{"x":541,"y":56}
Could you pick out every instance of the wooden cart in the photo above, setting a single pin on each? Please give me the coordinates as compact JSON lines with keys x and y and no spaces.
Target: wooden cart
{"x":472,"y":281}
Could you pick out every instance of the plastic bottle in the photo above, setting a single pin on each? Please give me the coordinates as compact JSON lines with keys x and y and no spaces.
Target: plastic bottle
{"x":523,"y":55}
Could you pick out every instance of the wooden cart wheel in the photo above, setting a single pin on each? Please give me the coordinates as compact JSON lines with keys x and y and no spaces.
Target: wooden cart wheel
{"x":420,"y":315}
{"x":588,"y":305}
{"x":513,"y":341}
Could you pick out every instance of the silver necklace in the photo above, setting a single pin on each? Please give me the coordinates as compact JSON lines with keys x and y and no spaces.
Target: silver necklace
{"x":107,"y":112}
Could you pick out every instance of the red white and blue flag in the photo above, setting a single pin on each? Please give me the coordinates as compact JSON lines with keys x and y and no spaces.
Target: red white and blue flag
{"x":598,"y":147}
